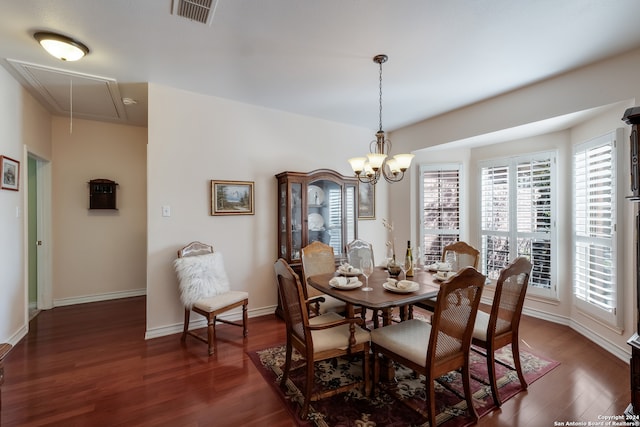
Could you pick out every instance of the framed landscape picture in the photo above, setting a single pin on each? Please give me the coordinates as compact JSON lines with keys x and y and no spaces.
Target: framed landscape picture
{"x":232,"y":197}
{"x":10,"y":173}
{"x":366,"y":201}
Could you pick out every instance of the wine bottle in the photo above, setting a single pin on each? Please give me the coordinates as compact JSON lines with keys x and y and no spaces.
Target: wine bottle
{"x":409,"y":260}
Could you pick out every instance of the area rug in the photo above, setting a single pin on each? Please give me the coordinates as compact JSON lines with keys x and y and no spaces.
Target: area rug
{"x":385,"y":409}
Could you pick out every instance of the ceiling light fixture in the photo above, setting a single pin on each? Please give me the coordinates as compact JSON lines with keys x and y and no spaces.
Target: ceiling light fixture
{"x":62,"y":47}
{"x":376,"y":165}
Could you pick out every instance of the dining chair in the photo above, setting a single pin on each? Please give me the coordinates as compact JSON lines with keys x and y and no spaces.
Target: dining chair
{"x":467,"y":256}
{"x":436,"y":348}
{"x":4,"y":351}
{"x":204,"y":289}
{"x":357,"y":250}
{"x":318,"y":258}
{"x":499,"y":327}
{"x":326,"y":336}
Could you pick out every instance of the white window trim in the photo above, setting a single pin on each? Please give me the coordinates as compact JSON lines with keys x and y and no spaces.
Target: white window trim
{"x":461,"y":194}
{"x":614,"y":319}
{"x":512,"y":161}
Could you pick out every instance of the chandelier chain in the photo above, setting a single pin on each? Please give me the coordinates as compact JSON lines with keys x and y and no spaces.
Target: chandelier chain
{"x":380,"y":96}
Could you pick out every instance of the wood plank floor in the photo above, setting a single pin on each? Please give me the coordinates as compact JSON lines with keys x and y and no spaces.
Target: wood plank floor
{"x":89,"y":365}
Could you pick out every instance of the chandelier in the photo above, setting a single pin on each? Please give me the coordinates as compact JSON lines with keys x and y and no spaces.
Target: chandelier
{"x":377,"y":164}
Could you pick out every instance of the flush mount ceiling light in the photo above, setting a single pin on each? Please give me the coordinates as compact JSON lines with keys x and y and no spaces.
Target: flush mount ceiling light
{"x":62,"y":47}
{"x":376,"y":165}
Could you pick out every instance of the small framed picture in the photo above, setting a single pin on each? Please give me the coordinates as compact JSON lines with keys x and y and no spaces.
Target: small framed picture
{"x":366,"y":201}
{"x":231,"y":197}
{"x":10,"y":171}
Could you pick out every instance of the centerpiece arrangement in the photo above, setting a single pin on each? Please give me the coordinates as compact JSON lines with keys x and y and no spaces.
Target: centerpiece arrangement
{"x":393,"y":267}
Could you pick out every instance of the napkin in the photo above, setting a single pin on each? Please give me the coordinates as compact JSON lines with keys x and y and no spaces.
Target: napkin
{"x":348,"y":268}
{"x":343,"y":281}
{"x":404,"y":284}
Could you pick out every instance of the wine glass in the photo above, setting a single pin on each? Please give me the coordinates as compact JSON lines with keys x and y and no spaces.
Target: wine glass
{"x":451,"y":258}
{"x":405,"y":266}
{"x":366,"y":265}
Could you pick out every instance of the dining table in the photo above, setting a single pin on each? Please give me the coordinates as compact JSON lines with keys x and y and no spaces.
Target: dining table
{"x":379,"y":298}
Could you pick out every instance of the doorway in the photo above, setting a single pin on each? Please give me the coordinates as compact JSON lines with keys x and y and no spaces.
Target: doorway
{"x":38,"y":237}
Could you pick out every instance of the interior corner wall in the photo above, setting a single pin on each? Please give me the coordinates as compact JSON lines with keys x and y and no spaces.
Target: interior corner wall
{"x":23,"y":123}
{"x":195,"y":138}
{"x":98,"y":254}
{"x":607,"y":83}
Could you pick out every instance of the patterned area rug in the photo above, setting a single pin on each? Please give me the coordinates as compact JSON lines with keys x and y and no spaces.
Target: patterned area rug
{"x":353,"y":409}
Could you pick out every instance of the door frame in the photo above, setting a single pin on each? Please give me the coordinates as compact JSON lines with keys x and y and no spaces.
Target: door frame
{"x":44,"y":232}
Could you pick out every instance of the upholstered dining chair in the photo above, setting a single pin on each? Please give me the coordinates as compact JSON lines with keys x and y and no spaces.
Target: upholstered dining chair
{"x":204,"y":289}
{"x":318,"y":258}
{"x":467,"y":256}
{"x":317,"y":338}
{"x":500,"y":327}
{"x":439,"y":347}
{"x":4,"y":351}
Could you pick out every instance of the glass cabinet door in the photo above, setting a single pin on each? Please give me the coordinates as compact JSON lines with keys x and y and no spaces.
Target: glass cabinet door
{"x":325,"y":219}
{"x":296,"y":220}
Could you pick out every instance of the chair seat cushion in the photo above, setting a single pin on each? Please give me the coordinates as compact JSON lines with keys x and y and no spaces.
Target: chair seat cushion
{"x":408,"y":339}
{"x":219,"y":301}
{"x":332,"y":304}
{"x":481,"y":325}
{"x":337,"y":337}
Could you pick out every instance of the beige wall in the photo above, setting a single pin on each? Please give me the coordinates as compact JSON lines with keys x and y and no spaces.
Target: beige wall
{"x":23,"y":124}
{"x":98,"y":254}
{"x":195,"y":138}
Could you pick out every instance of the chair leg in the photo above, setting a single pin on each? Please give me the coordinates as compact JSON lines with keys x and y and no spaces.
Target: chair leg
{"x":491,"y":371}
{"x":308,"y":389}
{"x":185,"y":330}
{"x":431,"y":401}
{"x":287,"y":364}
{"x":366,"y":371}
{"x":515,"y":350}
{"x":211,"y":332}
{"x":245,"y":331}
{"x":376,"y":371}
{"x":466,"y":382}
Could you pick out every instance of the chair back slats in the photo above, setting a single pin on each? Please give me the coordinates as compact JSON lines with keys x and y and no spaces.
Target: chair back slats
{"x":293,"y":300}
{"x":511,"y":288}
{"x":357,"y":250}
{"x":454,"y":316}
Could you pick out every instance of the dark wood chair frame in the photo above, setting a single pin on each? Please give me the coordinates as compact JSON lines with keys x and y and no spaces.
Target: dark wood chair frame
{"x":198,"y":248}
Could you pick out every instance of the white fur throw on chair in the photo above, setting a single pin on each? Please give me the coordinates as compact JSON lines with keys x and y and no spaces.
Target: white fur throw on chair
{"x":200,"y":277}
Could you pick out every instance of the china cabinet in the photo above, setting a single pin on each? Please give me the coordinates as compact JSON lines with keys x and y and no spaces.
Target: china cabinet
{"x":316,"y":206}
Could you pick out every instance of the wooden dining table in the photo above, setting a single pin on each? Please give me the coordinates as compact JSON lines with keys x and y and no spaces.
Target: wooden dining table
{"x":379,"y":298}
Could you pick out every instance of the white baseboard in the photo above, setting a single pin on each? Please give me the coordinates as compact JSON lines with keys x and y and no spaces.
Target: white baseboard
{"x":201,"y":322}
{"x":99,"y":297}
{"x":21,"y":333}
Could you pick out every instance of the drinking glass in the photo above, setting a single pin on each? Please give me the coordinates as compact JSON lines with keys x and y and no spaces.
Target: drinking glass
{"x":405,"y":266}
{"x":366,"y":265}
{"x":451,"y":258}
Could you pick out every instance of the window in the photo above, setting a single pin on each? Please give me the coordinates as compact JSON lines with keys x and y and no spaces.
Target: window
{"x":594,"y":231}
{"x":441,"y":209}
{"x":517,"y":199}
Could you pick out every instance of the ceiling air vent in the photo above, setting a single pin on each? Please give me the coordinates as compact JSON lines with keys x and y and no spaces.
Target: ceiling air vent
{"x":195,"y":10}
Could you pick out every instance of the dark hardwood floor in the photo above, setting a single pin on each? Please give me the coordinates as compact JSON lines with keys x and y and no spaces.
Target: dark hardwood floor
{"x":89,"y":365}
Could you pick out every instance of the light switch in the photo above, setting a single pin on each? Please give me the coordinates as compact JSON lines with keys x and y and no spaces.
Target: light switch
{"x":166,"y":210}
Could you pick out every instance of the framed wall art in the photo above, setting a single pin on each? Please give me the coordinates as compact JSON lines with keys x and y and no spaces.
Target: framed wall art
{"x":232,"y":197}
{"x":366,"y":201}
{"x":10,"y":173}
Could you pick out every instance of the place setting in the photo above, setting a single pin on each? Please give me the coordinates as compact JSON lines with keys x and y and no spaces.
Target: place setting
{"x":345,"y":283}
{"x":400,"y":286}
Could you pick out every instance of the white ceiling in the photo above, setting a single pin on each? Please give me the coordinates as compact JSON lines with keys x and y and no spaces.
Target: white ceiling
{"x":312,"y":57}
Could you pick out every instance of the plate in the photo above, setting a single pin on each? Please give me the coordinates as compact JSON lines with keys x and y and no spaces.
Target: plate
{"x":348,"y":286}
{"x":438,"y":267}
{"x":354,"y":272}
{"x":315,"y":195}
{"x":414,"y":287}
{"x":316,"y":221}
{"x":447,"y":275}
